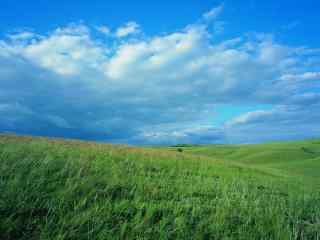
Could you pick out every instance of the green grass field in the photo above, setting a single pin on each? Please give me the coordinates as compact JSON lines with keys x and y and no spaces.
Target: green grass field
{"x":59,"y":189}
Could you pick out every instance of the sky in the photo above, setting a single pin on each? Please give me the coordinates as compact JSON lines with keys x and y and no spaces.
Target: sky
{"x":161,"y":72}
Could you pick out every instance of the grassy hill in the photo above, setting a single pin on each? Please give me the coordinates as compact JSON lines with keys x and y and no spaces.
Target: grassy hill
{"x":59,"y":189}
{"x":299,"y":160}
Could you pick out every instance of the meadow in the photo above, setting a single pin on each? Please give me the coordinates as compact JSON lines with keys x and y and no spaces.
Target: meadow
{"x":67,"y":189}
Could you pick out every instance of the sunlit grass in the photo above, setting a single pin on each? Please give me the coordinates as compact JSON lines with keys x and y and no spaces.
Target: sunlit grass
{"x":54,"y":189}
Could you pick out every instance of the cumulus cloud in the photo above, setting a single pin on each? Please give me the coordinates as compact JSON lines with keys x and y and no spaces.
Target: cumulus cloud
{"x":129,"y":28}
{"x":66,"y":51}
{"x":156,"y":89}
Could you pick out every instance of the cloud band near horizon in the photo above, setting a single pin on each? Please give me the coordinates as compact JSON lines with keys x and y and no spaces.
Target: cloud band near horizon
{"x":121,"y":85}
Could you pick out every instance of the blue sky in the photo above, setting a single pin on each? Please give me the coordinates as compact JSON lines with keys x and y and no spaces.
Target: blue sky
{"x":294,"y":21}
{"x":161,"y":72}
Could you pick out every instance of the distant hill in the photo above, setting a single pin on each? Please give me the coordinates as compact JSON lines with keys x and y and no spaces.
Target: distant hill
{"x":300,"y":159}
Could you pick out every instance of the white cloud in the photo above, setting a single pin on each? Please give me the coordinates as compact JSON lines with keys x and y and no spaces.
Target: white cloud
{"x":301,"y":77}
{"x":214,"y":12}
{"x":73,"y":29}
{"x":129,"y":28}
{"x":160,"y":88}
{"x":22,"y":36}
{"x":153,"y":56}
{"x":250,"y":117}
{"x":284,"y":122}
{"x":272,"y":53}
{"x":67,"y":51}
{"x":104,"y":29}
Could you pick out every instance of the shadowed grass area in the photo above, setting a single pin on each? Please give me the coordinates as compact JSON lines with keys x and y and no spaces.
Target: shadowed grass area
{"x":57,"y":189}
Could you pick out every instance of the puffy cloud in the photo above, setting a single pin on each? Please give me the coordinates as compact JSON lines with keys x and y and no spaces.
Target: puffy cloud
{"x":156,"y":89}
{"x":128,"y":29}
{"x":66,"y":51}
{"x":153,"y":56}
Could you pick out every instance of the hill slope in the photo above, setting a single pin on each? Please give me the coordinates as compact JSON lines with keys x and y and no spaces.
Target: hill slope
{"x":300,"y":160}
{"x":57,"y":189}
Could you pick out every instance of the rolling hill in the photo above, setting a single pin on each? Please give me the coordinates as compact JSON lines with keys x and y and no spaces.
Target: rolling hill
{"x":66,"y":189}
{"x":299,"y":160}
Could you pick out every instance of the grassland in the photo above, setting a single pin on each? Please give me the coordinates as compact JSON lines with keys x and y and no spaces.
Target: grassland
{"x":58,"y":189}
{"x":299,"y":160}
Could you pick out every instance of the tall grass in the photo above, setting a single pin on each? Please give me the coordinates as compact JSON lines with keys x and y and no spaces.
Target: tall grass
{"x":75,"y":190}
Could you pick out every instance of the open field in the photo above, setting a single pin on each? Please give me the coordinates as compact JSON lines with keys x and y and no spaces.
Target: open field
{"x":59,"y":189}
{"x":298,"y":160}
